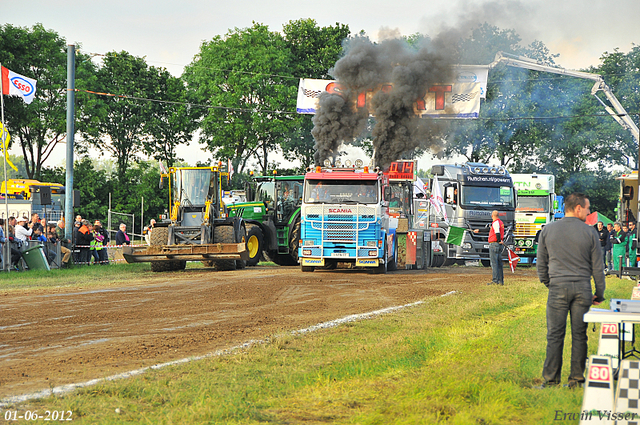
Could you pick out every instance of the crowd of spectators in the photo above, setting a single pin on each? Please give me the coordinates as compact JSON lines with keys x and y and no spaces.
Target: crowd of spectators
{"x":86,"y":245}
{"x":619,"y":243}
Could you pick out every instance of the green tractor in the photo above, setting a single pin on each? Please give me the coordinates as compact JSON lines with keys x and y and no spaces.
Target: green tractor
{"x":197,"y":230}
{"x":272,"y":218}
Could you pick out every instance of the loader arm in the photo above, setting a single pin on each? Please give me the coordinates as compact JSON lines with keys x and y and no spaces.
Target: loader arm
{"x":616,"y":110}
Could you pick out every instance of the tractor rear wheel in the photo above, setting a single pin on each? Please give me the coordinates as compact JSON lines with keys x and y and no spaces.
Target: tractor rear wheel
{"x":224,"y":234}
{"x":255,"y":244}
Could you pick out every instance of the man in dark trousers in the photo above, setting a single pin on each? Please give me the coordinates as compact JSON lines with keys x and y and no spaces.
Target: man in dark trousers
{"x":603,"y":236}
{"x":496,"y":239}
{"x":569,"y":253}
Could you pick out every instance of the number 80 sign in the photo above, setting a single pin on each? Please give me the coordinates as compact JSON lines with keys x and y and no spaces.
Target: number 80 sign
{"x":599,"y":373}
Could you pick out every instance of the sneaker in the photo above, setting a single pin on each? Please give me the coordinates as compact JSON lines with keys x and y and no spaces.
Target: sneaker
{"x":574,"y":384}
{"x":544,"y":385}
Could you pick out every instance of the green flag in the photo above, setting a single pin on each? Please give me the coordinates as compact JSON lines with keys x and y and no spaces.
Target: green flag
{"x":455,"y":235}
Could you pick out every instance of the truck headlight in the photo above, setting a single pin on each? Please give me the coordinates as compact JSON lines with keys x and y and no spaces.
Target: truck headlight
{"x":373,"y":253}
{"x":466,"y":245}
{"x":306,"y":252}
{"x":372,"y":243}
{"x":309,"y":242}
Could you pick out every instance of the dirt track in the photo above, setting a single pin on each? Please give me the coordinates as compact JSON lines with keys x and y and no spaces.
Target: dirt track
{"x":55,"y":337}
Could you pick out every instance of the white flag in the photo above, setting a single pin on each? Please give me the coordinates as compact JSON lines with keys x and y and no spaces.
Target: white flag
{"x":437,"y":201}
{"x":14,"y":84}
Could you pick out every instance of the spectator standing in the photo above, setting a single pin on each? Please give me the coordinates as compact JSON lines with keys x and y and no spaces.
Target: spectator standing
{"x":3,"y":241}
{"x":619,"y":242}
{"x":603,"y":236}
{"x":632,"y":237}
{"x":23,"y":230}
{"x":122,"y":238}
{"x":147,"y":231}
{"x":103,"y":240}
{"x":496,"y":239}
{"x":567,"y":273}
{"x":625,"y":261}
{"x":609,"y":258}
{"x":83,"y":242}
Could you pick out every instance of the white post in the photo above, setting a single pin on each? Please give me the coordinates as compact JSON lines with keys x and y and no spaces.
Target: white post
{"x":142,"y":220}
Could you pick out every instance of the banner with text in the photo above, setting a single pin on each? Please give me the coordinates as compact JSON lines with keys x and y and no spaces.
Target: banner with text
{"x":458,"y":99}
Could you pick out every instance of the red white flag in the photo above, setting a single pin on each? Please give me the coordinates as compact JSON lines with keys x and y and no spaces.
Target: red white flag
{"x":513,"y":260}
{"x":18,"y":85}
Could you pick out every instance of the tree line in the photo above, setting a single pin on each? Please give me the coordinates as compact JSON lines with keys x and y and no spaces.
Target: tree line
{"x":237,"y":98}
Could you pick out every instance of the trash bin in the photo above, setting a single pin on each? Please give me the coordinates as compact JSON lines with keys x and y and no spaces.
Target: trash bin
{"x":35,"y":259}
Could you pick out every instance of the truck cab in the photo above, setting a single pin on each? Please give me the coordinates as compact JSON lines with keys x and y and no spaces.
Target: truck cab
{"x":345,"y":219}
{"x":537,"y":206}
{"x":470,"y":193}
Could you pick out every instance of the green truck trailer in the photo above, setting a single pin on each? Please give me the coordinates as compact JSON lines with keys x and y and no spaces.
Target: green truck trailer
{"x":272,"y":217}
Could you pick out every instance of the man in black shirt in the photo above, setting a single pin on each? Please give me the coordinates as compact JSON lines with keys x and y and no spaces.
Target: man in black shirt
{"x":569,"y":254}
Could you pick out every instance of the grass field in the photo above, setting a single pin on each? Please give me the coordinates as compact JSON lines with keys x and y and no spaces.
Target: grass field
{"x":460,"y":359}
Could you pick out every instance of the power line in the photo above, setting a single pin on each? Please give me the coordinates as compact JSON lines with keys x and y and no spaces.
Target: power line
{"x":173,"y":102}
{"x":256,"y":110}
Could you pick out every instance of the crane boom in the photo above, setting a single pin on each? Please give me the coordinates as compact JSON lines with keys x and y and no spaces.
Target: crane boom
{"x":616,"y":110}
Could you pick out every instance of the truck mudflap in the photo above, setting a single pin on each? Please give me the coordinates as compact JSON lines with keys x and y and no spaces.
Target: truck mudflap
{"x":218,"y":251}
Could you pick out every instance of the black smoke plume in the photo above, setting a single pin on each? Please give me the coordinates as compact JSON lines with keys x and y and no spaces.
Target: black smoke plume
{"x":368,"y":66}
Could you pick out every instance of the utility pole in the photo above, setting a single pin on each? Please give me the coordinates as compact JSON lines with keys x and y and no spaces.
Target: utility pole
{"x":71,"y":94}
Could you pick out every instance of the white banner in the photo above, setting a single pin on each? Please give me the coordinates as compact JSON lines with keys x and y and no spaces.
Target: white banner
{"x":14,"y":84}
{"x":458,"y":99}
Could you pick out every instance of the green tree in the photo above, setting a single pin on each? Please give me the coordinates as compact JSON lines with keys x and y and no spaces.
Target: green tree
{"x":314,"y":51}
{"x":245,"y":80}
{"x":117,"y":124}
{"x":41,"y":54}
{"x":171,"y":121}
{"x":509,"y":95}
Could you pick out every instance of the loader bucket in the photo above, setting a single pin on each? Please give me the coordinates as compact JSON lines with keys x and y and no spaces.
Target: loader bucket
{"x":226,"y":251}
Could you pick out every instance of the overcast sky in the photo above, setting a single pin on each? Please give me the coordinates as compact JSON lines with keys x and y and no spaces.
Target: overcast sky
{"x":169,"y":33}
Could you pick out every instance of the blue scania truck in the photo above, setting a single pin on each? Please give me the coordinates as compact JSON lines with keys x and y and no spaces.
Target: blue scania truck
{"x":345,"y":219}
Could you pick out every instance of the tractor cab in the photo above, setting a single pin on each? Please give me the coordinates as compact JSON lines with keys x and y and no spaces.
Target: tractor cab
{"x":194,"y":193}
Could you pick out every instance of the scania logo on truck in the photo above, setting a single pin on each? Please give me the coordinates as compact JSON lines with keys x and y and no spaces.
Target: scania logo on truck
{"x":340,"y":211}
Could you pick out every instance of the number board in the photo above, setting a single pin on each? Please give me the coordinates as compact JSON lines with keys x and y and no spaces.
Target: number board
{"x":402,"y":170}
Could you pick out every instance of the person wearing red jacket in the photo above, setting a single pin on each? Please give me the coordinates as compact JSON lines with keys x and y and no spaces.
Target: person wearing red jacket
{"x":496,"y":238}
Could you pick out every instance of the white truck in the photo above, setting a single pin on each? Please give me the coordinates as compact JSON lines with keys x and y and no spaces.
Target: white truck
{"x":536,"y":206}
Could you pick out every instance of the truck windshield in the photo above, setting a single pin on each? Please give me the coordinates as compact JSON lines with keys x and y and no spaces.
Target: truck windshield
{"x":192,"y":187}
{"x":533,"y":204}
{"x":341,"y":191}
{"x":487,"y":196}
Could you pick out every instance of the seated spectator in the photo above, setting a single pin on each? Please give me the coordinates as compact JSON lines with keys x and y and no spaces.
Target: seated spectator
{"x":35,"y":222}
{"x":62,"y":235}
{"x":66,"y":252}
{"x":23,"y":230}
{"x":42,"y":238}
{"x":15,"y":244}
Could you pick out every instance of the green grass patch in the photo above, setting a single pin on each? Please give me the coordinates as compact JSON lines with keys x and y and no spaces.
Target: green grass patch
{"x":74,"y":276}
{"x":460,"y":359}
